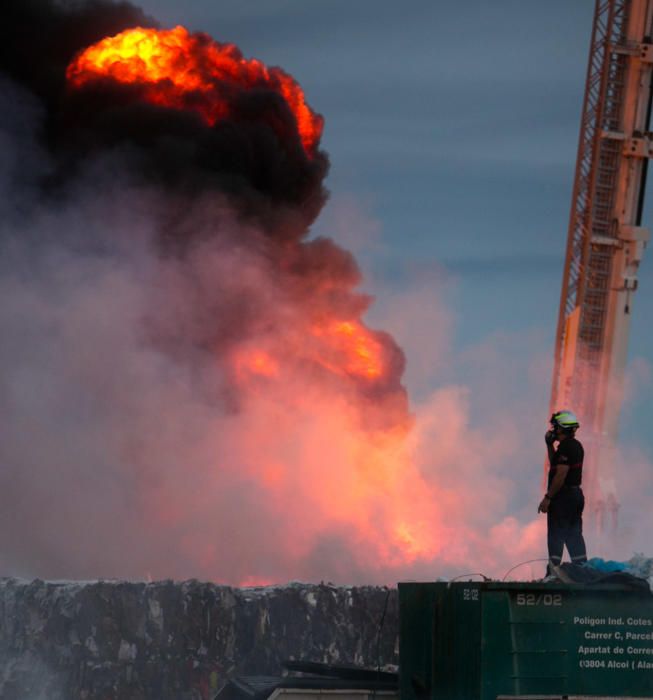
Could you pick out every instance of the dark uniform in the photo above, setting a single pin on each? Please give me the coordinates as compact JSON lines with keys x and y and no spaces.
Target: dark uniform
{"x":565,"y":512}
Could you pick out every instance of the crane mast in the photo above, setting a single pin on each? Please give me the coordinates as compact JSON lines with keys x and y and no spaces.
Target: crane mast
{"x":606,"y":240}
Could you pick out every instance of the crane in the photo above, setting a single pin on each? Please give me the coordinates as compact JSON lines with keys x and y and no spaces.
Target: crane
{"x":606,"y":239}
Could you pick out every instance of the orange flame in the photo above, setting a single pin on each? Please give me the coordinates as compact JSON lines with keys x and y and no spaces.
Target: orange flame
{"x":353,"y":349}
{"x":189,"y":71}
{"x":346,"y":348}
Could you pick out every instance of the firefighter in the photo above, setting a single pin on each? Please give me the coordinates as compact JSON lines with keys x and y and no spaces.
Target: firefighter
{"x":564,"y":501}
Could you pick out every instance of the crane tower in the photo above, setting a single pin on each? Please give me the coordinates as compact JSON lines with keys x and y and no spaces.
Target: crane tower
{"x":606,"y":240}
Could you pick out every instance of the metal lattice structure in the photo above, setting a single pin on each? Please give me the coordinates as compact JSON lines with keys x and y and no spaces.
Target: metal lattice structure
{"x":606,"y":240}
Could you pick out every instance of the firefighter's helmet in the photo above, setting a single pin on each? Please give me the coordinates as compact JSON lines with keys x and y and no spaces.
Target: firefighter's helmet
{"x":565,"y":419}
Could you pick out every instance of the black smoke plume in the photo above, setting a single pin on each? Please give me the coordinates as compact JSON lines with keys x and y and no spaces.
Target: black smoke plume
{"x":255,"y":156}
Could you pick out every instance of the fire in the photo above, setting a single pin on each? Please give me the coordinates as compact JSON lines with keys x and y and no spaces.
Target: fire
{"x":345,"y":348}
{"x":180,"y":70}
{"x":351,"y":349}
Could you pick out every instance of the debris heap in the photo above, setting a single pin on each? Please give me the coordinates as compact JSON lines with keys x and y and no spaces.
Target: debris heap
{"x":113,"y":640}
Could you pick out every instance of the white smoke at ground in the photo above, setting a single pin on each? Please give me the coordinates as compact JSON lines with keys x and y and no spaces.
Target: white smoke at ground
{"x":82,"y":398}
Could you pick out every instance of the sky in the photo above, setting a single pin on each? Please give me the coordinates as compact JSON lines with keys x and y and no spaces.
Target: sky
{"x":452,"y":130}
{"x":170,"y":416}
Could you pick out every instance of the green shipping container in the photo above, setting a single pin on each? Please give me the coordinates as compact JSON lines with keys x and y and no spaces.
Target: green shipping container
{"x":482,"y":641}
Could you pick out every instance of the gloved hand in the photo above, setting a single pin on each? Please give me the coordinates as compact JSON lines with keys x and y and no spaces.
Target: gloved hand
{"x":549,"y":437}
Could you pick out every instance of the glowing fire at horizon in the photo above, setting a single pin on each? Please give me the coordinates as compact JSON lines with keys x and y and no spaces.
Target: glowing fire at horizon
{"x":180,"y":70}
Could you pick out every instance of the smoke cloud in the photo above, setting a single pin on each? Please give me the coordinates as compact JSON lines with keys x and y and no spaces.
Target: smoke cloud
{"x":188,"y":388}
